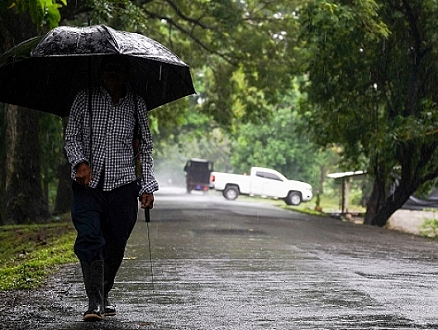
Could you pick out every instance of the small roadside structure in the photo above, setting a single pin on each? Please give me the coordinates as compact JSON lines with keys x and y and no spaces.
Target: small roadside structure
{"x":346,"y":178}
{"x":413,"y":203}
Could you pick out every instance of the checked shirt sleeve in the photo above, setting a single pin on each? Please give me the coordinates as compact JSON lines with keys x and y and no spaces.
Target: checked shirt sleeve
{"x":148,"y":182}
{"x":74,"y":136}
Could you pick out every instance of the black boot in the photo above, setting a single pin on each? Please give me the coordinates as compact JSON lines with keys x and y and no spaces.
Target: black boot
{"x":93,"y":280}
{"x":109,"y":309}
{"x":111,"y":267}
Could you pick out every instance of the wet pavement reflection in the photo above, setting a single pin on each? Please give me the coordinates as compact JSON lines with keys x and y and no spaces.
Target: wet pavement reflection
{"x":221,"y":264}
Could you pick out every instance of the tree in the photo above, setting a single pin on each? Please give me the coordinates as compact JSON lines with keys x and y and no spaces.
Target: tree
{"x":372,"y":89}
{"x":42,"y":12}
{"x":55,"y":169}
{"x":23,"y":185}
{"x":280,"y":144}
{"x":241,"y":53}
{"x":22,"y":195}
{"x":22,"y":198}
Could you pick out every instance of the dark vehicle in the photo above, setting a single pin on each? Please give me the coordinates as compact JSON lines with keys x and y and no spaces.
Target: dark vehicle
{"x":198,"y":174}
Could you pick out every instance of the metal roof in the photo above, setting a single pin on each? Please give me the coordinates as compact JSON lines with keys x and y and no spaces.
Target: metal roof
{"x":345,"y":174}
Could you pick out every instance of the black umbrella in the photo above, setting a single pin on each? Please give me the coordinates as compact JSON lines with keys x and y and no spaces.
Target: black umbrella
{"x":45,"y":73}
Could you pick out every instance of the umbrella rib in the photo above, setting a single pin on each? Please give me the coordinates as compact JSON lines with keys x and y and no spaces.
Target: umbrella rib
{"x":116,"y":44}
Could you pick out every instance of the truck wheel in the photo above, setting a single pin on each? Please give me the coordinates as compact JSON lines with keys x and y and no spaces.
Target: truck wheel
{"x":293,"y":198}
{"x":231,"y":192}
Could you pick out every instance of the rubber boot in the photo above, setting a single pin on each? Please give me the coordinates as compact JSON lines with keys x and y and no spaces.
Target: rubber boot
{"x":109,"y":309}
{"x":111,"y":268}
{"x":93,"y":280}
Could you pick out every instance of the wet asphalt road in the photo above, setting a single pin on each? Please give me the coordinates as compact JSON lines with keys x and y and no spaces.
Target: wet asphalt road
{"x":219,"y":264}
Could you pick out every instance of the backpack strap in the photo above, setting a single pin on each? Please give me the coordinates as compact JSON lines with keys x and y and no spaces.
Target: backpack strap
{"x":136,"y":139}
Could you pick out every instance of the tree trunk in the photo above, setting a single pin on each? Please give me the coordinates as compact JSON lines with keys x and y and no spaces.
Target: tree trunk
{"x":375,"y":201}
{"x":22,"y":194}
{"x":393,"y":203}
{"x":2,"y":167}
{"x":20,"y":185}
{"x":15,"y":29}
{"x":382,"y":204}
{"x":64,"y":194}
{"x":322,"y":175}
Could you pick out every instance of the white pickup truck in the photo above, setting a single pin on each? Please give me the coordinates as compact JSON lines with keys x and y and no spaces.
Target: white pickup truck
{"x":261,"y":182}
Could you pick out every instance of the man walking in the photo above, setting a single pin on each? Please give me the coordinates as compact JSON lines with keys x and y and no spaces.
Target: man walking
{"x":99,"y":147}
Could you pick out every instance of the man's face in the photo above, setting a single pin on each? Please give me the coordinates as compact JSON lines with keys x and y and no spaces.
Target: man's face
{"x":113,"y":75}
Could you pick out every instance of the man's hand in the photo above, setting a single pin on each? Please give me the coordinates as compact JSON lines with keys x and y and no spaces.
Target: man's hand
{"x":83,"y":174}
{"x":147,"y":201}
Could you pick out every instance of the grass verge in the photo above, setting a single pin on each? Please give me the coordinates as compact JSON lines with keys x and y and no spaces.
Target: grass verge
{"x":328,"y":205}
{"x":30,"y":253}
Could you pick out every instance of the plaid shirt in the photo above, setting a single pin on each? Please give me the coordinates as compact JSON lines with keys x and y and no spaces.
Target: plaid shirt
{"x":112,"y":137}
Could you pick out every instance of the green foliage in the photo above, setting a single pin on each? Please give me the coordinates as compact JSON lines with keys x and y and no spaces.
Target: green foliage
{"x":279,"y":143}
{"x":240,"y":52}
{"x":371,"y":89}
{"x":429,"y":228}
{"x":343,"y":107}
{"x":42,"y":12}
{"x":426,"y":188}
{"x":328,"y":203}
{"x":360,"y":74}
{"x":318,"y":200}
{"x":275,"y":144}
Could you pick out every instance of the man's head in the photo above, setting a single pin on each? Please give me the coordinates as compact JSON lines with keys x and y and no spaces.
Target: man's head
{"x":113,"y":72}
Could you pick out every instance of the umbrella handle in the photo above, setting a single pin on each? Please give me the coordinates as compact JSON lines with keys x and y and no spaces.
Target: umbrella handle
{"x":148,"y":219}
{"x":147,"y":215}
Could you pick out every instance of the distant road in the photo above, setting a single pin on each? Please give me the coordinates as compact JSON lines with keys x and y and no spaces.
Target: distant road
{"x":220,"y":264}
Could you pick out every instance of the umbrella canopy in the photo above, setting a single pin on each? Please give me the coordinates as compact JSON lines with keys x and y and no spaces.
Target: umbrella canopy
{"x":45,"y":73}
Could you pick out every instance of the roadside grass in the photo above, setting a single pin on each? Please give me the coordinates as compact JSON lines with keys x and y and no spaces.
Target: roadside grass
{"x":328,"y":205}
{"x":29,"y":253}
{"x":429,"y":228}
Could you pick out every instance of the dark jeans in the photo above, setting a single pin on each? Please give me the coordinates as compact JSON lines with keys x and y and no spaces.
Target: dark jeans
{"x":104,"y":221}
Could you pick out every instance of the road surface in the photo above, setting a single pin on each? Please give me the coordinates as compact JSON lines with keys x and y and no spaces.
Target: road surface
{"x":219,"y":264}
